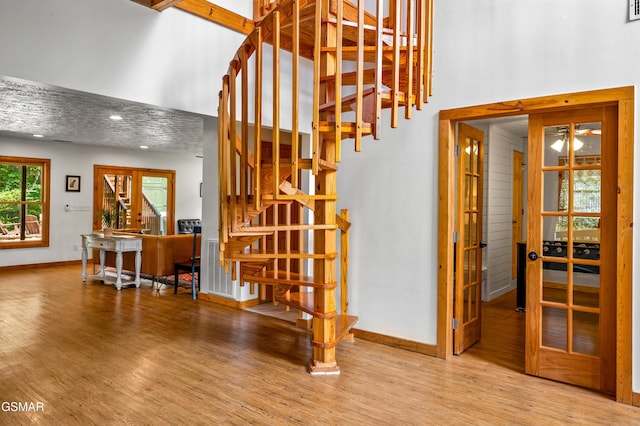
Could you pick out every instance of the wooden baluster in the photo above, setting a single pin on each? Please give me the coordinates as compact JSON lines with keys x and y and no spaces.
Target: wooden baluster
{"x":257,"y":141}
{"x":429,"y":55}
{"x":344,"y":262}
{"x":395,"y":89}
{"x":420,"y":54}
{"x":233,"y":137}
{"x":223,"y":161}
{"x":315,"y":148}
{"x":408,"y":92}
{"x":338,"y":80}
{"x":244,"y":155}
{"x":295,"y":89}
{"x":275,"y":149}
{"x":288,"y":249}
{"x":359,"y":74}
{"x":378,"y":67}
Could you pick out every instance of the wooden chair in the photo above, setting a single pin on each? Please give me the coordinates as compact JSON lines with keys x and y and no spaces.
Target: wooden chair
{"x":4,"y":231}
{"x":192,"y":265}
{"x":32,"y":225}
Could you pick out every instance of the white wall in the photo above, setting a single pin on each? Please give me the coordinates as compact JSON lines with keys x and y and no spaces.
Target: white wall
{"x":484,"y":52}
{"x":72,"y":159}
{"x":499,"y":210}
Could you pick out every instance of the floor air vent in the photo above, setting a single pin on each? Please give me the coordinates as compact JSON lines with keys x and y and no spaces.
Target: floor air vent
{"x":220,"y":282}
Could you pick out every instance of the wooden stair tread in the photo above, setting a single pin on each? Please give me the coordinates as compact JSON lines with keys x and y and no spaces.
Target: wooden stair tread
{"x":347,"y":101}
{"x":347,"y":129}
{"x":276,"y":277}
{"x":344,"y":324}
{"x":280,"y":254}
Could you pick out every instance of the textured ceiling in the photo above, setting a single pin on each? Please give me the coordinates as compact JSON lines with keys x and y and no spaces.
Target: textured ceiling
{"x":59,"y":114}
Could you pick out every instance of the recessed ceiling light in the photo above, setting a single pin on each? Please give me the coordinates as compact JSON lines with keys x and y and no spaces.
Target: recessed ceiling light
{"x":144,"y":147}
{"x":116,"y":117}
{"x":38,"y":136}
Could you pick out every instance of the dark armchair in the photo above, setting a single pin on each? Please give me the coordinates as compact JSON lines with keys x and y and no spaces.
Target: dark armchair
{"x":185,"y":226}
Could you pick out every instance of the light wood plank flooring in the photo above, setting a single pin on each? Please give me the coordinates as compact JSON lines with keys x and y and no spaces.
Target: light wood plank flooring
{"x":93,"y":355}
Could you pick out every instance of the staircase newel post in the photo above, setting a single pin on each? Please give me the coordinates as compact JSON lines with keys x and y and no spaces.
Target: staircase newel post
{"x":324,"y":270}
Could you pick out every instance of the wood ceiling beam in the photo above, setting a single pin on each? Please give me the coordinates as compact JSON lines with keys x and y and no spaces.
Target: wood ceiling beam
{"x":161,"y":5}
{"x":217,"y":14}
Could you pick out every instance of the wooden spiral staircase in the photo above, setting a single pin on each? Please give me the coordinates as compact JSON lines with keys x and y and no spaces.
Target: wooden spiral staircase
{"x":272,"y":229}
{"x":362,"y":62}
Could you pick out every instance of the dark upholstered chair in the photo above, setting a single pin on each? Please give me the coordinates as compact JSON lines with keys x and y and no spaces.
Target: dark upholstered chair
{"x":185,"y":226}
{"x":192,"y":265}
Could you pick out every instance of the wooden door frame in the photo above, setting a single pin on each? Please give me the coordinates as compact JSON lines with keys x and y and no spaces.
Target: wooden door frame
{"x":623,"y":99}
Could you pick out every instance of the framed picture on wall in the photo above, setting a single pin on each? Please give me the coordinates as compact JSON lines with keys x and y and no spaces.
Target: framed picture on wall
{"x":73,"y":183}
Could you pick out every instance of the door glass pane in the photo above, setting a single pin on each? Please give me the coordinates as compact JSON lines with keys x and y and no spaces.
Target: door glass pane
{"x":554,"y":230}
{"x":555,"y":144}
{"x":473,"y":306}
{"x":474,"y":193}
{"x":586,"y":231}
{"x":467,"y":229}
{"x":554,"y":278}
{"x":467,"y":257}
{"x":585,"y":333}
{"x":465,"y":316}
{"x":586,"y":289}
{"x":554,"y":328}
{"x":154,"y":205}
{"x":473,"y":155}
{"x":554,"y":200}
{"x":467,"y":155}
{"x":467,"y":192}
{"x":116,"y":198}
{"x":586,"y":191}
{"x":554,"y":233}
{"x":474,"y":265}
{"x":587,"y":141}
{"x":474,"y":229}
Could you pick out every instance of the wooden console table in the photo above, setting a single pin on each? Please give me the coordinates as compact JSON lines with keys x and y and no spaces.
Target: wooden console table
{"x":117,"y":244}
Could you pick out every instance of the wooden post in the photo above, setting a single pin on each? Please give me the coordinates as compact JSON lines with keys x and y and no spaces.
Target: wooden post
{"x":344,"y":266}
{"x":324,"y":329}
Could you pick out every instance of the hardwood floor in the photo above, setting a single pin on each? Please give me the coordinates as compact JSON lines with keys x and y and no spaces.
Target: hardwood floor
{"x":93,"y":355}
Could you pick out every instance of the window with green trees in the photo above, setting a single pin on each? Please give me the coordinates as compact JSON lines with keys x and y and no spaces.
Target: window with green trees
{"x":24,"y":202}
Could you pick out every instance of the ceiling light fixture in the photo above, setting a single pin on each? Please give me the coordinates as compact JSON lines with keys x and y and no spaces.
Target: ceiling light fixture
{"x":557,"y":145}
{"x":116,"y":117}
{"x":38,"y":136}
{"x":144,"y":147}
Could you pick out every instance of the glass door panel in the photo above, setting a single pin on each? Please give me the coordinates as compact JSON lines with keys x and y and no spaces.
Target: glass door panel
{"x":154,"y":204}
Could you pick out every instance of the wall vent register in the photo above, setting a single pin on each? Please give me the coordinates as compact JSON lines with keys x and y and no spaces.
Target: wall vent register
{"x":634,"y":10}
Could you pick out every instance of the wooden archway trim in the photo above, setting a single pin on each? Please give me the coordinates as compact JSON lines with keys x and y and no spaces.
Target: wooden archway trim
{"x":623,"y":98}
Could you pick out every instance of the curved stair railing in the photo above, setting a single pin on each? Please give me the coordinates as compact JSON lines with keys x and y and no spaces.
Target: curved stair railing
{"x":363,"y":62}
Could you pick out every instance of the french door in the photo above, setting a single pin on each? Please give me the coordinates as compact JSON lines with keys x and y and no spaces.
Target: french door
{"x":140,"y":200}
{"x":571,"y":245}
{"x":468,"y":276}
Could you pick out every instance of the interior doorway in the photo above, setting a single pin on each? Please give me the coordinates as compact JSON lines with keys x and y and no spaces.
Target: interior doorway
{"x":622,"y":100}
{"x":138,"y":200}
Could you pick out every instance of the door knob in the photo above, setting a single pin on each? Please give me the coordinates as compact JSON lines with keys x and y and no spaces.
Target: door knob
{"x":533,"y":255}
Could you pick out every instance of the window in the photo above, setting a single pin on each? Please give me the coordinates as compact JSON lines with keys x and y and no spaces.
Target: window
{"x":24,"y":202}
